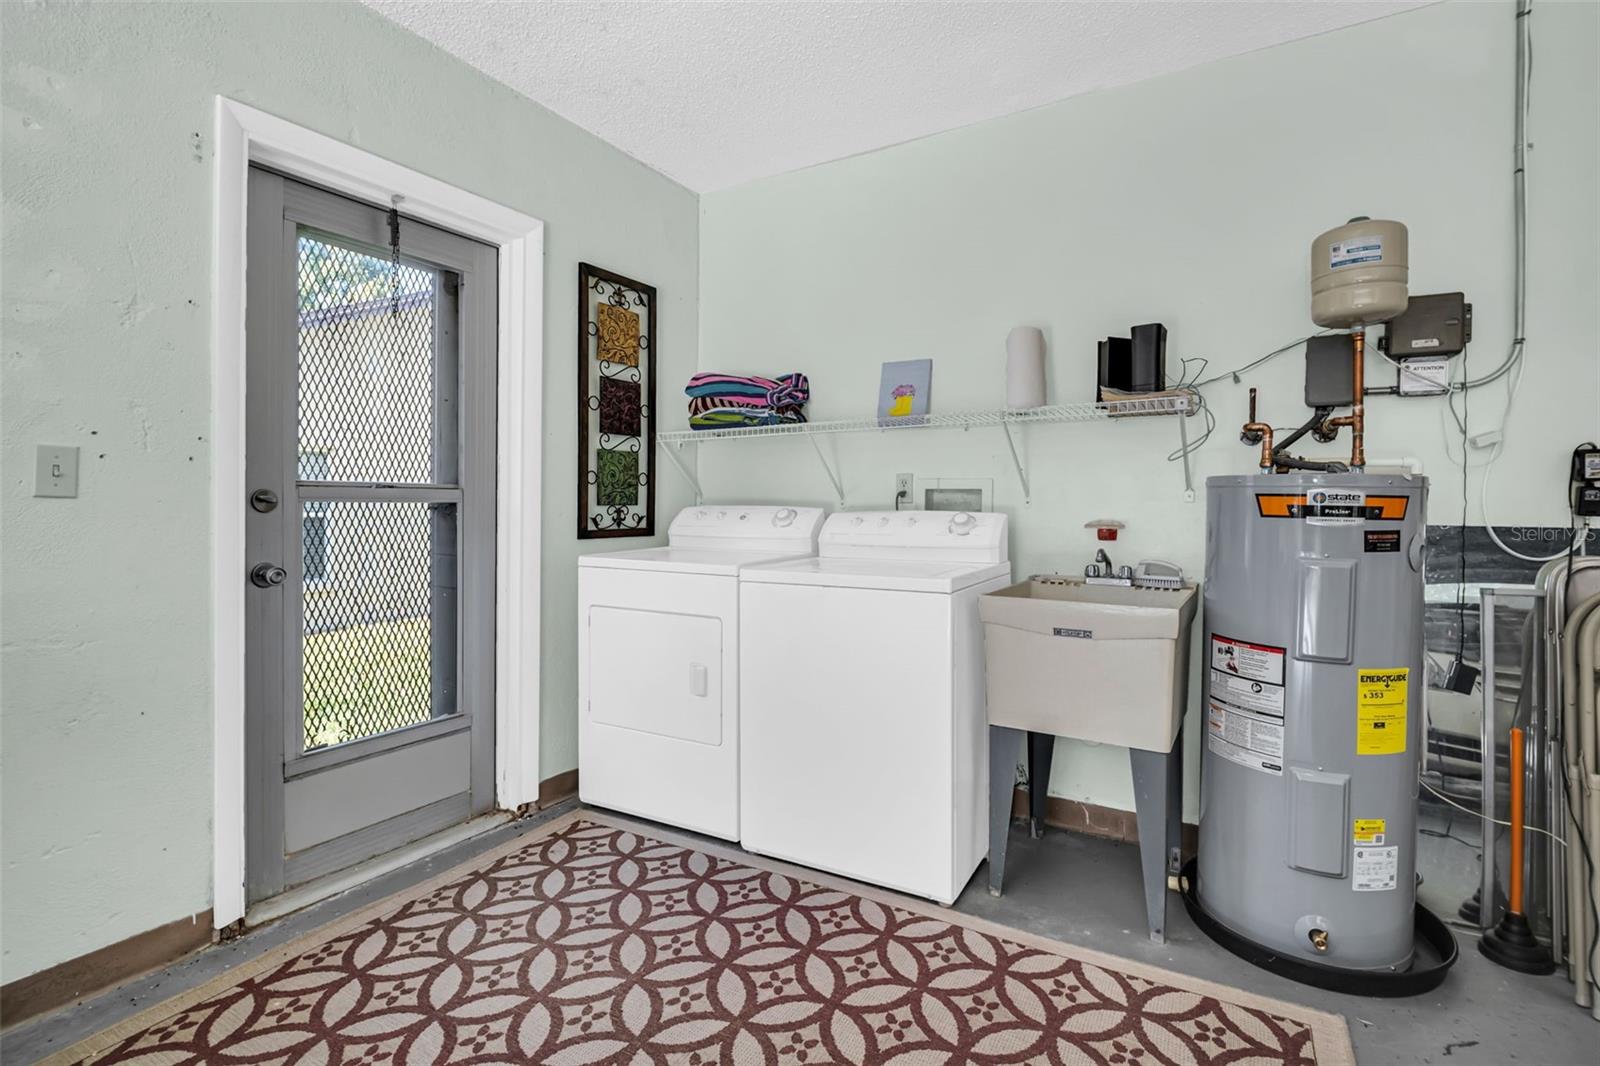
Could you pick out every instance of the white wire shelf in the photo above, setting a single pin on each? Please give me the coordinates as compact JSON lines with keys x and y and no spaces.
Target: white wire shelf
{"x":1182,"y":404}
{"x":1063,"y":412}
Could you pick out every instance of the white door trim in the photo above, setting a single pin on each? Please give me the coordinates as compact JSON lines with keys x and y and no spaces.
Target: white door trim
{"x":245,"y":135}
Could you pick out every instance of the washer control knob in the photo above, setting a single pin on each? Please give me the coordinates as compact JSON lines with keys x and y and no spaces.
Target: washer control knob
{"x":883,"y":521}
{"x":722,"y":514}
{"x":784,"y":516}
{"x":856,"y":521}
{"x":744,"y":516}
{"x":962,"y":524}
{"x":700,"y":514}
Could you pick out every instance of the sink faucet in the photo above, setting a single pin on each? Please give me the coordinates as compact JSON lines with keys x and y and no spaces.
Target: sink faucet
{"x":1104,"y":560}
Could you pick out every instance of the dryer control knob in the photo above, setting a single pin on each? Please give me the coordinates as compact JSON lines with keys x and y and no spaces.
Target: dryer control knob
{"x":744,"y":516}
{"x":883,"y":521}
{"x":962,"y":524}
{"x":784,"y":516}
{"x":855,"y":521}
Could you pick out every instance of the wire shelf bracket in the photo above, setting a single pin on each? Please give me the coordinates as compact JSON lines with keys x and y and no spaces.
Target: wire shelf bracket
{"x":833,"y":478}
{"x":670,"y":450}
{"x":1181,"y":404}
{"x":1016,"y":462}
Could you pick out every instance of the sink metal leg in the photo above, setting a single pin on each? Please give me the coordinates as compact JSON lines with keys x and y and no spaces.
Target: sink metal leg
{"x":1041,"y":749}
{"x":1158,"y":800}
{"x":1005,"y":748}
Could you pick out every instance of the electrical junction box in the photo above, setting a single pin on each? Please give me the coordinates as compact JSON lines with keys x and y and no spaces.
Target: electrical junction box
{"x":1330,"y":371}
{"x":1436,"y":325}
{"x":1423,"y":377}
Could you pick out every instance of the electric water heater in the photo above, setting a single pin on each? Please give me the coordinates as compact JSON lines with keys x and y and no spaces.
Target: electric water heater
{"x":1313,"y":688}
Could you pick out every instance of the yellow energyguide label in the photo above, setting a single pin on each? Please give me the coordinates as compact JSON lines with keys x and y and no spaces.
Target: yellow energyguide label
{"x":1381,"y":711}
{"x":1368,"y":830}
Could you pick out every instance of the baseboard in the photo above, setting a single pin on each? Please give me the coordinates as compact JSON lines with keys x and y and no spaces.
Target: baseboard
{"x":99,"y":970}
{"x":553,"y":790}
{"x":1093,"y":820}
{"x":75,"y":979}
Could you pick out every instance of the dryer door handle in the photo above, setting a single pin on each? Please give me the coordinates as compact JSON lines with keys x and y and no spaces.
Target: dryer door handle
{"x":697,"y":679}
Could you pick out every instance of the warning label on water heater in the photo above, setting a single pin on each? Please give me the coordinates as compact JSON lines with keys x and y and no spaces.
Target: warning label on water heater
{"x":1253,"y":740}
{"x":1368,"y":830}
{"x":1253,"y":662}
{"x":1244,"y":716}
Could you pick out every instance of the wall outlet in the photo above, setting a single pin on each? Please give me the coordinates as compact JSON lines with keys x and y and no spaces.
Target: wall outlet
{"x":904,"y":487}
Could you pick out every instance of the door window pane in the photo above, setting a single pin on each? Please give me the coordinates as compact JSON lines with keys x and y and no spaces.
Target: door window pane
{"x":379,"y":627}
{"x":373,"y":397}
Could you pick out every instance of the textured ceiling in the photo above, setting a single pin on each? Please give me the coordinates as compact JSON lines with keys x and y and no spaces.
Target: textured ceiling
{"x":717,"y":93}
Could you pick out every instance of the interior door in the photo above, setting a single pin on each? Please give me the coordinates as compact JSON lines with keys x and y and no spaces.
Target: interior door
{"x":370,"y":453}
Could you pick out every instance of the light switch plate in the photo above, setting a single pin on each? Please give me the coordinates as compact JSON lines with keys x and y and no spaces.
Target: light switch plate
{"x":56,"y":471}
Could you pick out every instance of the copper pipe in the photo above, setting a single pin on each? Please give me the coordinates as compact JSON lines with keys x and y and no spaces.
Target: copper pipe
{"x":1358,"y":412}
{"x":1254,"y":431}
{"x":1515,"y":904}
{"x":1357,"y":418}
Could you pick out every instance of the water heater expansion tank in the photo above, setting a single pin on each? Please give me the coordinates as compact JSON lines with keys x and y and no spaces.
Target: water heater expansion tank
{"x":1359,"y":273}
{"x":1313,"y":696}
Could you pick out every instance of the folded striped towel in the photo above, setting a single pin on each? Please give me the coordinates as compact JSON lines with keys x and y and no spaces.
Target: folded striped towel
{"x":720,"y":401}
{"x":731,"y":418}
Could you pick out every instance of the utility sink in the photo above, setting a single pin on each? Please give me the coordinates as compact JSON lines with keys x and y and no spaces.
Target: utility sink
{"x":1106,"y":663}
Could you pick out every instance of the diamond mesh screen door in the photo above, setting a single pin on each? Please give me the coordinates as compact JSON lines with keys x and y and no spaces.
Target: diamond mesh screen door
{"x":370,"y":454}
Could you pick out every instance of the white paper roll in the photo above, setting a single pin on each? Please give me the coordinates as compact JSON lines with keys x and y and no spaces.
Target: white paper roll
{"x":1024,"y":368}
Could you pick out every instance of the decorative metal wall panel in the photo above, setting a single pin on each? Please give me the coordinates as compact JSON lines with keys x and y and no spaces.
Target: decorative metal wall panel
{"x":617,"y":332}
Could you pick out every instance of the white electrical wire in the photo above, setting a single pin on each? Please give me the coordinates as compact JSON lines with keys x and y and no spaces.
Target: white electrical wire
{"x":1579,"y":533}
{"x":1485,"y":817}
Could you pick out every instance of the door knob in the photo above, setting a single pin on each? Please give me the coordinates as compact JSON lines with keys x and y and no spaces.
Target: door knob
{"x":266,"y":575}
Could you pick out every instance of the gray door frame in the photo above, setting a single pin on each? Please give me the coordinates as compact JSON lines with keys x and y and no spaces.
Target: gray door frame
{"x":278,"y":209}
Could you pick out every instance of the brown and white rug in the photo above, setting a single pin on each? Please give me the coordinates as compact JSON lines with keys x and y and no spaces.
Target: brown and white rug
{"x":596,"y":940}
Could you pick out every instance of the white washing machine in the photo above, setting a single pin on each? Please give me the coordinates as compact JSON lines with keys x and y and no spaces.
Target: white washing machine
{"x":864,"y":747}
{"x":658,"y":664}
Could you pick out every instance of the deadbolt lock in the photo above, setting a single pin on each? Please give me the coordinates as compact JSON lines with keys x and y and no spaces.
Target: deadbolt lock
{"x":266,"y":575}
{"x":264,"y":500}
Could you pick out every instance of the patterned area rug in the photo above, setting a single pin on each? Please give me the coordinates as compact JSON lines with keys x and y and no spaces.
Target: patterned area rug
{"x":596,"y":940}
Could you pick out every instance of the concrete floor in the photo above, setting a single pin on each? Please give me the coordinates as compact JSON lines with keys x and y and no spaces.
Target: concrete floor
{"x":1085,"y":891}
{"x":1069,"y":887}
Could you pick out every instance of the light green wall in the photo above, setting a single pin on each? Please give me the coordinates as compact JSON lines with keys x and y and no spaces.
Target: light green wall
{"x":1191,"y":199}
{"x":107,"y":170}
